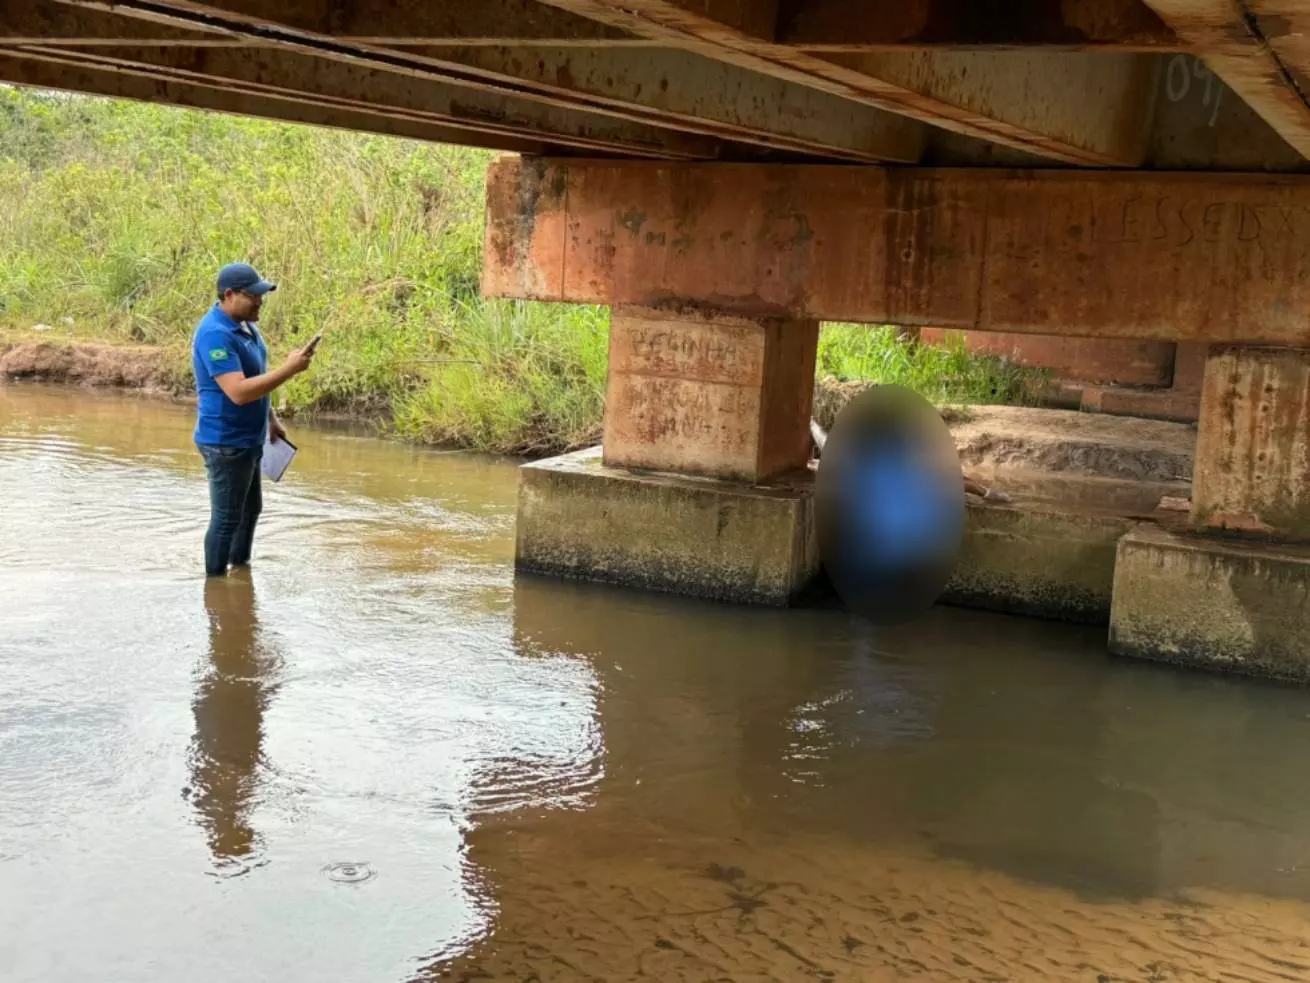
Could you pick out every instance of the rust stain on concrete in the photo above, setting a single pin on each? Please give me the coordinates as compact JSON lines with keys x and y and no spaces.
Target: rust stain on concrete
{"x":1253,"y":447}
{"x":1155,"y":257}
{"x":717,"y":396}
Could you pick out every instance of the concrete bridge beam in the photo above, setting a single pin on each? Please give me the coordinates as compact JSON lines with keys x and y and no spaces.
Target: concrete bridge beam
{"x":1124,"y":363}
{"x":1256,"y":47}
{"x":298,"y":77}
{"x":485,"y":52}
{"x":47,"y":74}
{"x":1020,"y":100}
{"x":1211,"y":258}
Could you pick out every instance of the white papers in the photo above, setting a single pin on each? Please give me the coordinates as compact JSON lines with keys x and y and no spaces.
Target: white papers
{"x":277,"y":458}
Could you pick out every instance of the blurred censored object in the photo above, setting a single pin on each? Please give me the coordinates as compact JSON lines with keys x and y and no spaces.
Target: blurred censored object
{"x":889,"y":500}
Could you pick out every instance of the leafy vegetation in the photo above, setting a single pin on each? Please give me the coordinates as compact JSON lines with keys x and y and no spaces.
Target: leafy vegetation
{"x":943,"y":374}
{"x":114,"y":217}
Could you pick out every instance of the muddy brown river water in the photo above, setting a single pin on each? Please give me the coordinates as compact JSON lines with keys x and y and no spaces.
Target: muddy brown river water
{"x":381,"y":758}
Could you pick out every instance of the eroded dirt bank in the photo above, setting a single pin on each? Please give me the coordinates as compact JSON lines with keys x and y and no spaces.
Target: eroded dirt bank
{"x":91,"y":364}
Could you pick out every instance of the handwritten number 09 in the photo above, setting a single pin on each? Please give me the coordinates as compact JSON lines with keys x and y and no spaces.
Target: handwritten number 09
{"x":1178,"y":83}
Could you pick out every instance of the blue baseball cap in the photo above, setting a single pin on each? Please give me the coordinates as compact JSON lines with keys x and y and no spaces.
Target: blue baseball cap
{"x":241,"y":276}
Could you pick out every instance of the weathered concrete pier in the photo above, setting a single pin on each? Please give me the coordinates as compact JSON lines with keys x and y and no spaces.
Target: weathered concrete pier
{"x":1165,"y":258}
{"x":1117,"y":189}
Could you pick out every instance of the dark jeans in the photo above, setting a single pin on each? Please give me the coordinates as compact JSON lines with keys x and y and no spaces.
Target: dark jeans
{"x":235,"y":501}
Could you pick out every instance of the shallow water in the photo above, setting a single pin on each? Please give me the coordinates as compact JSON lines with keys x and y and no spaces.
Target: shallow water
{"x":383,"y":758}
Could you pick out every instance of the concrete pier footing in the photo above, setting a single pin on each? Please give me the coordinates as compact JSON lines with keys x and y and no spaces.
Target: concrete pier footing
{"x":1073,"y":546}
{"x":1228,"y":605}
{"x":701,"y":485}
{"x":1040,"y":560}
{"x":1234,"y":592}
{"x":706,"y":537}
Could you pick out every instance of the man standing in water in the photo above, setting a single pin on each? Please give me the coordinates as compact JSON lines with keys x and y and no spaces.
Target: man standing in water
{"x":235,"y":413}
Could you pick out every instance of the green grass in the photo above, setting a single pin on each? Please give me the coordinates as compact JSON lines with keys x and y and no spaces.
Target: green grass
{"x":945,"y":374}
{"x":114,"y":217}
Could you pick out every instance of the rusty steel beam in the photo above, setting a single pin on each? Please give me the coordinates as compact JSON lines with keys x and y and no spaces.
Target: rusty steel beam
{"x":1253,"y":46}
{"x":1080,"y":108}
{"x":961,"y":25}
{"x":817,"y":25}
{"x":45,"y":22}
{"x":414,"y":21}
{"x":295,"y":77}
{"x":703,"y":95}
{"x":730,"y":103}
{"x":43,"y":74}
{"x":1167,"y":257}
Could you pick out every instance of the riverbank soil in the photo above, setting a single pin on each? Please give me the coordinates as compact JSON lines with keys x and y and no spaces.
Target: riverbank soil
{"x":86,"y":363}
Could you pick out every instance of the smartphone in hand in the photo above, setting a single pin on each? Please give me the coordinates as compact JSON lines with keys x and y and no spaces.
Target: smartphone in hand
{"x":313,"y":343}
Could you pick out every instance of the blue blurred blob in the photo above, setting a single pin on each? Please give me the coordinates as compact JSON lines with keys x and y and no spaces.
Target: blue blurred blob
{"x":889,"y":500}
{"x":898,"y":510}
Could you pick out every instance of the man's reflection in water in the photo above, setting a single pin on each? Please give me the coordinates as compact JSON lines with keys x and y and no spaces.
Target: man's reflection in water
{"x":226,"y":753}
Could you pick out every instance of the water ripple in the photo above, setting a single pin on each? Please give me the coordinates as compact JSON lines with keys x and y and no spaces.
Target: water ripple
{"x":345,"y":872}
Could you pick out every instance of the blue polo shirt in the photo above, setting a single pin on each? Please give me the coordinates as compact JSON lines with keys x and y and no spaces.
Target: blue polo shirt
{"x":220,"y":345}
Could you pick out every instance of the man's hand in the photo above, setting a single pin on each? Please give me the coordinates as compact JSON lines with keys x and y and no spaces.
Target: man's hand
{"x":297,"y":361}
{"x":242,"y":390}
{"x":275,"y":429}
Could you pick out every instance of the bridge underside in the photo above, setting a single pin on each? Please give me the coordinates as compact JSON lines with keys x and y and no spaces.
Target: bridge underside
{"x":720,"y":274}
{"x":1161,"y":84}
{"x":1121,"y":181}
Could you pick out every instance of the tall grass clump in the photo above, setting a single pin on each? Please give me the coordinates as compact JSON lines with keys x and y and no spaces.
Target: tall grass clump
{"x":530,"y":375}
{"x":943,"y":374}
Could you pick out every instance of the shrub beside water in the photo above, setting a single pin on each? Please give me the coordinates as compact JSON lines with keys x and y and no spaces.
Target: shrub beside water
{"x":114,"y":217}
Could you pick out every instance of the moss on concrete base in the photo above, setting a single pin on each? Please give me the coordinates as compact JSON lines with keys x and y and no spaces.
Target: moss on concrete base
{"x":1215,"y":604}
{"x":703,"y":537}
{"x":1038,"y":560}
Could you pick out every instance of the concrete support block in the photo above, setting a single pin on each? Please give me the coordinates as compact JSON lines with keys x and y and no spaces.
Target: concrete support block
{"x":1180,"y":402}
{"x":1189,"y":367}
{"x":703,"y":537}
{"x":1151,"y":404}
{"x":1046,"y":561}
{"x":1253,"y":444}
{"x":1197,"y":601}
{"x":713,"y":395}
{"x":1122,"y":363}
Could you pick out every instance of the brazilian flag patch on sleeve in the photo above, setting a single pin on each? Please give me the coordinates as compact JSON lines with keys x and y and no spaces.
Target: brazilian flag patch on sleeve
{"x":217,"y":354}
